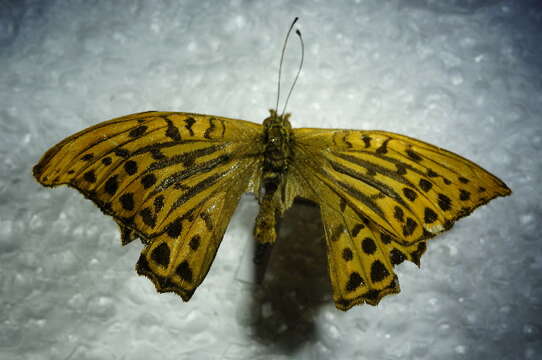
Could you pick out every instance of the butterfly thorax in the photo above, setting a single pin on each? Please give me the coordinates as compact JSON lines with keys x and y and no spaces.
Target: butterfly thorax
{"x":277,"y":132}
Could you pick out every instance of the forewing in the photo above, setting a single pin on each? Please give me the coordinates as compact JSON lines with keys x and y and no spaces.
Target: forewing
{"x":409,"y":189}
{"x":172,"y":179}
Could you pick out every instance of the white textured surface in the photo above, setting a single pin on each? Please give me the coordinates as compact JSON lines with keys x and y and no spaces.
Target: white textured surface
{"x":465,"y":75}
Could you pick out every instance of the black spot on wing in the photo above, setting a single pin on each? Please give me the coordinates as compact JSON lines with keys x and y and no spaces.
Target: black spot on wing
{"x":347,"y":254}
{"x":89,"y":176}
{"x":410,"y":194}
{"x":161,"y":255}
{"x":398,"y":214}
{"x":464,"y":195}
{"x":111,"y":185}
{"x":148,"y":180}
{"x":371,"y":296}
{"x":195,"y":242}
{"x":401,"y":170}
{"x":127,"y":201}
{"x":356,"y":229}
{"x":342,"y":204}
{"x":385,"y":238}
{"x":189,"y":122}
{"x":378,"y":271}
{"x":444,"y":202}
{"x":172,"y":132}
{"x":383,"y":149}
{"x":368,"y":245}
{"x":409,"y":227}
{"x":431,"y":173}
{"x":174,"y":228}
{"x":138,"y":131}
{"x":354,"y":282}
{"x":413,"y":155}
{"x":147,"y":217}
{"x":184,"y":271}
{"x":123,"y":153}
{"x":425,"y":185}
{"x":397,"y":257}
{"x":130,"y":167}
{"x":429,"y":216}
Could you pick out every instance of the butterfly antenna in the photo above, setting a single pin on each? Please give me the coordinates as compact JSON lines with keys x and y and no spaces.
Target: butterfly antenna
{"x":298,"y":33}
{"x":281,"y":61}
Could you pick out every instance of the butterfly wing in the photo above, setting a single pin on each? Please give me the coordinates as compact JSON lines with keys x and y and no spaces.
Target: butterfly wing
{"x":381,"y":196}
{"x":172,"y":179}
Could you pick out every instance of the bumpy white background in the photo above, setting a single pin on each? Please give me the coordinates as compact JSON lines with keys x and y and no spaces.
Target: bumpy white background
{"x":463,"y":74}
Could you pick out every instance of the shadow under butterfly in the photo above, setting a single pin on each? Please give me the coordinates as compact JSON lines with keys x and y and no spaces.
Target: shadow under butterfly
{"x":295,"y":282}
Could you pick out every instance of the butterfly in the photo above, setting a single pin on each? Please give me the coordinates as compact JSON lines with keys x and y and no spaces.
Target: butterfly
{"x":174,"y":179}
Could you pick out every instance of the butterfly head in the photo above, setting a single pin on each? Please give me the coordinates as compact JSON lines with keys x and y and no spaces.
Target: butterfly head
{"x":276,"y":120}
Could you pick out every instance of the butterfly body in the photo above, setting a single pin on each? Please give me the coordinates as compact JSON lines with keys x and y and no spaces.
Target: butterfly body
{"x":277,"y":142}
{"x":174,"y":179}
